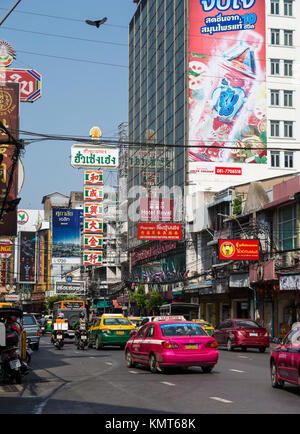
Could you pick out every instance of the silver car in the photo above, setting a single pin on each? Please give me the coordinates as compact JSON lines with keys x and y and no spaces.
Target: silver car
{"x":32,"y":328}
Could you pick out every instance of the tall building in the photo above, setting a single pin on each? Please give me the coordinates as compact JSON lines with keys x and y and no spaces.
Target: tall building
{"x":217,"y":79}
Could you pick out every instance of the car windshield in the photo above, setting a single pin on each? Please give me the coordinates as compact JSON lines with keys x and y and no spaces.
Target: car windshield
{"x":116,"y":321}
{"x":29,"y":320}
{"x":246,"y":323}
{"x":182,"y":330}
{"x":294,"y":336}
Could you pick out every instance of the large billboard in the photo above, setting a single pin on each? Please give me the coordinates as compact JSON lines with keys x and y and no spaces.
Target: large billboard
{"x":66,"y":225}
{"x":227,"y":89}
{"x":27,"y":257}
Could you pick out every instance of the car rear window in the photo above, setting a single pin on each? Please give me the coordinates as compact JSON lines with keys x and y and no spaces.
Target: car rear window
{"x":245,"y":323}
{"x":182,"y":330}
{"x":116,"y":321}
{"x":29,"y":320}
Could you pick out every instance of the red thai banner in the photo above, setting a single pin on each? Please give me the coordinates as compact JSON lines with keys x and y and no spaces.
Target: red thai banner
{"x":159,"y":231}
{"x":247,"y":250}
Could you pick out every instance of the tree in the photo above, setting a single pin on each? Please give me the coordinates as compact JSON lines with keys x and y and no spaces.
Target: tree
{"x":139,"y":298}
{"x":154,"y":302}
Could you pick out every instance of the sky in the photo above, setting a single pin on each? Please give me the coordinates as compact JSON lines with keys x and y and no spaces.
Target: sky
{"x":84,"y":82}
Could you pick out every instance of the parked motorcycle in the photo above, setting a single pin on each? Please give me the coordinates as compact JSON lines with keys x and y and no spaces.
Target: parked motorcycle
{"x":82,"y":339}
{"x":13,"y":364}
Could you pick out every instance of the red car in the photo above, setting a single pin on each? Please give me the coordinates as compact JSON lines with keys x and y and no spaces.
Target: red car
{"x":285,"y":360}
{"x":162,"y":344}
{"x":242,"y":333}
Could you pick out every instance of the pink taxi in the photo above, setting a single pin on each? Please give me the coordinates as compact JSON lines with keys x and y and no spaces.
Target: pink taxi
{"x":172,"y":343}
{"x":285,"y":360}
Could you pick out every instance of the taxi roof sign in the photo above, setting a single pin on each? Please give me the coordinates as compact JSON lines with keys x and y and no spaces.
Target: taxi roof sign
{"x":170,"y":318}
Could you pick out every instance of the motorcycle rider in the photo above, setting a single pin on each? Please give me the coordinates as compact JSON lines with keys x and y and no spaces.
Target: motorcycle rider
{"x":80,"y":325}
{"x":59,"y":320}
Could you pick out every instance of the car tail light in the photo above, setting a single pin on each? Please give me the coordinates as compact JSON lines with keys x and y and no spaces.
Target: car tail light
{"x":211,"y":344}
{"x":240,"y":333}
{"x":38,"y":333}
{"x":169,"y":345}
{"x":106,"y":331}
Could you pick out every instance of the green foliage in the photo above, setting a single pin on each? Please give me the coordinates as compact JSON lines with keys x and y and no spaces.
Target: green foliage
{"x":154,"y":302}
{"x":237,"y":205}
{"x":139,"y":298}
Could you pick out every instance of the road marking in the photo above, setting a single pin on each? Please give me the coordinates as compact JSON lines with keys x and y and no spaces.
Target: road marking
{"x":216,"y":398}
{"x":108,"y":363}
{"x":92,"y":357}
{"x":235,"y":370}
{"x":167,"y":383}
{"x":243,"y":357}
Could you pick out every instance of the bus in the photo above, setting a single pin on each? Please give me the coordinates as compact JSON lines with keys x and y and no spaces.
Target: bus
{"x":71,"y":310}
{"x":188,"y":310}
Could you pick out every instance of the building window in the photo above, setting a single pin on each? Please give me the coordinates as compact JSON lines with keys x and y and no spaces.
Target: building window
{"x":275,"y":37}
{"x":274,"y":97}
{"x":275,"y":7}
{"x":289,"y":160}
{"x":287,"y":235}
{"x":288,"y":68}
{"x":274,"y":128}
{"x":288,"y":38}
{"x":288,"y":129}
{"x":275,"y":159}
{"x":275,"y":66}
{"x":288,"y":98}
{"x":288,"y":8}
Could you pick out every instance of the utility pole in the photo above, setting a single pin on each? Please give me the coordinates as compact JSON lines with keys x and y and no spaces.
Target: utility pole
{"x":10,"y":11}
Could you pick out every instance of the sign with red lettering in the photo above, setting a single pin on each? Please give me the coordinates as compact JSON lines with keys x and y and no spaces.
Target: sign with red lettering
{"x":247,"y":250}
{"x":94,"y":177}
{"x":91,"y":257}
{"x":92,"y":241}
{"x":29,"y":80}
{"x":159,"y":231}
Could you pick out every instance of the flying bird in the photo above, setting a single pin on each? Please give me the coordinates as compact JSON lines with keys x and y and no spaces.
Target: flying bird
{"x":96,"y":23}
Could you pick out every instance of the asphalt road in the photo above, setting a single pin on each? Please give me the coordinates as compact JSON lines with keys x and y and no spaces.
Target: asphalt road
{"x":98,"y":382}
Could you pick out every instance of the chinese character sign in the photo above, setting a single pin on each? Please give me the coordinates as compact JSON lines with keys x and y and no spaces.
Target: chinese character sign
{"x":91,"y":257}
{"x":227,"y":75}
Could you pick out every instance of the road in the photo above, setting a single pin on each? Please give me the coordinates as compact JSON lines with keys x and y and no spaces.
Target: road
{"x":98,"y":382}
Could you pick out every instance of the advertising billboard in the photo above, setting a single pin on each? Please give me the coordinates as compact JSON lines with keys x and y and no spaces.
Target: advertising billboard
{"x":27,"y":258}
{"x":227,"y":91}
{"x":66,"y":225}
{"x":156,"y":209}
{"x":159,"y":231}
{"x":247,"y":250}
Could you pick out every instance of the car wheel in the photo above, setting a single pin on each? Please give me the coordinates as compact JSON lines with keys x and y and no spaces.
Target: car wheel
{"x":98,"y":344}
{"x":153,"y":364}
{"x":229,"y":345}
{"x":129,"y":362}
{"x":276,"y":382}
{"x":244,"y":349}
{"x":262,"y":349}
{"x":207,"y":369}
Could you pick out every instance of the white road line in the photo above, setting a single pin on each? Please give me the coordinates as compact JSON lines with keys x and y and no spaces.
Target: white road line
{"x":108,"y":363}
{"x":133,"y":372}
{"x":216,"y":398}
{"x":235,"y":370}
{"x":243,"y":357}
{"x":167,"y":383}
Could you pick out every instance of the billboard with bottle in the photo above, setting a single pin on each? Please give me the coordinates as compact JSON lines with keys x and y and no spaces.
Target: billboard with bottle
{"x":227,"y":83}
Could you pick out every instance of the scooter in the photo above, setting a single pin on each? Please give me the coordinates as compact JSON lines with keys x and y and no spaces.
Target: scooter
{"x":12,"y":368}
{"x":58,"y":340}
{"x":82,"y":340}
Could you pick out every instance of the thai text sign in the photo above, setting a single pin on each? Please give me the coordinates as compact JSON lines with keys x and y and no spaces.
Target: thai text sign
{"x":70,"y":288}
{"x":159,"y":231}
{"x":158,"y":158}
{"x":289,"y":282}
{"x":29,"y":80}
{"x":227,"y":81}
{"x":247,"y":250}
{"x":84,"y":157}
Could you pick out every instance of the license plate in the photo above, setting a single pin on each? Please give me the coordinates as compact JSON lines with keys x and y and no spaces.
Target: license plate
{"x":253,"y":334}
{"x":191,"y":347}
{"x":14,"y":364}
{"x":119,"y":333}
{"x":59,"y":336}
{"x":83,"y":338}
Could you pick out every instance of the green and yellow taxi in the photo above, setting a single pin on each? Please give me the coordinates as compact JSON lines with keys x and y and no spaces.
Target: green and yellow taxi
{"x":110,"y":329}
{"x":136,"y":320}
{"x":205,"y":325}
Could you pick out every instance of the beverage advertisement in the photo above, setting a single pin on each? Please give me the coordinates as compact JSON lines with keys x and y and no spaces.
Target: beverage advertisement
{"x":227,"y":74}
